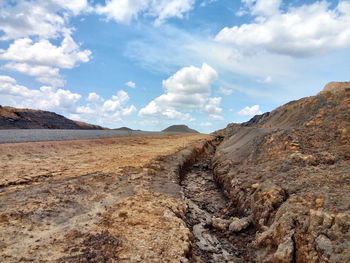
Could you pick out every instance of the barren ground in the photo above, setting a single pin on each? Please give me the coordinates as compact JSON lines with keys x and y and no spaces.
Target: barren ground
{"x":91,"y":201}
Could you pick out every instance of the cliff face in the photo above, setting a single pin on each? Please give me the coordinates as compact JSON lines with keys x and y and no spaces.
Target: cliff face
{"x":13,"y":118}
{"x":289,"y":171}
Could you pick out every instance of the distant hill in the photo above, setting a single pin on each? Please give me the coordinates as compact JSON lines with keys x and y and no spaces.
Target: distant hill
{"x":179,"y":129}
{"x":123,"y":129}
{"x":14,"y":118}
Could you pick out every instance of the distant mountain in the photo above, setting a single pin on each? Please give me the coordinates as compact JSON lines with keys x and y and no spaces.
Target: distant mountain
{"x":179,"y":129}
{"x":14,"y":118}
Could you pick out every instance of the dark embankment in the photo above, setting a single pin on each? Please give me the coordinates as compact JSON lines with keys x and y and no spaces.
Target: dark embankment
{"x":13,"y":118}
{"x":288,"y":171}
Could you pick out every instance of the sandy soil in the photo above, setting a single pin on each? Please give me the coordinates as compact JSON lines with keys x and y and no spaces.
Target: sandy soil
{"x":91,"y":201}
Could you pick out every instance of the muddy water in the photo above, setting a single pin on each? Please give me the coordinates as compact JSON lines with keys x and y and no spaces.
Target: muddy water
{"x":208,"y":217}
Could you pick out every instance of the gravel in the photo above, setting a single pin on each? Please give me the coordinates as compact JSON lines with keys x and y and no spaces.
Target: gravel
{"x":38,"y":135}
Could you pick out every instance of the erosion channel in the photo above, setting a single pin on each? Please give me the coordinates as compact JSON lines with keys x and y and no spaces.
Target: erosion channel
{"x":212,"y":219}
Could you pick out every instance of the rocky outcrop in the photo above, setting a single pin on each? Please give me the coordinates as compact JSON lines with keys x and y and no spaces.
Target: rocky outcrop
{"x":288,"y":171}
{"x":13,"y":118}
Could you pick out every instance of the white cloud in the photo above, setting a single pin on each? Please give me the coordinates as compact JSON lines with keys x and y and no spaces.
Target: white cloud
{"x":216,"y":117}
{"x":44,"y":74}
{"x":105,"y":111}
{"x":31,"y":25}
{"x":129,"y":111}
{"x":187,"y":90}
{"x":67,"y":55}
{"x":46,"y":98}
{"x":98,"y":110}
{"x":93,"y":97}
{"x":124,"y":11}
{"x":308,"y":30}
{"x":130,"y":84}
{"x":212,"y":107}
{"x":263,"y":7}
{"x":43,"y":60}
{"x":75,"y":6}
{"x":226,"y":91}
{"x":206,"y":124}
{"x":46,"y":19}
{"x":250,"y":111}
{"x":116,"y":102}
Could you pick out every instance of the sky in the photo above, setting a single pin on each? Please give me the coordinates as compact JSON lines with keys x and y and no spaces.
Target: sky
{"x":148,"y":64}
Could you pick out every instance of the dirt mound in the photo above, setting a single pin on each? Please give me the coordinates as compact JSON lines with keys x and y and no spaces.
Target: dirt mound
{"x":13,"y":118}
{"x":289,"y":171}
{"x":179,"y":129}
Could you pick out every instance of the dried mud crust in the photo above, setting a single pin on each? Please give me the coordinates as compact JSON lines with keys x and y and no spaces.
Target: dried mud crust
{"x":103,"y":216}
{"x":290,"y":173}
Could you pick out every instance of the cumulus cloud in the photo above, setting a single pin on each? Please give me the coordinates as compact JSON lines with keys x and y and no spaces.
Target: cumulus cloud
{"x":105,"y":111}
{"x":130,"y":84}
{"x":124,"y":11}
{"x":212,"y":107}
{"x":93,"y":97}
{"x":20,"y":19}
{"x":43,"y":52}
{"x":97,"y":110}
{"x":307,"y":30}
{"x":43,"y":60}
{"x":23,"y":21}
{"x":46,"y":98}
{"x":187,"y":90}
{"x":43,"y":74}
{"x":250,"y":111}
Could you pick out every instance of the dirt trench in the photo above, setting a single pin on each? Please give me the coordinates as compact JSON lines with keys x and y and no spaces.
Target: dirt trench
{"x":210,"y":214}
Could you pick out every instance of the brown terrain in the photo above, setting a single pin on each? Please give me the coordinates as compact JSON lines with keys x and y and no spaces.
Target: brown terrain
{"x":274,"y":189}
{"x":288,"y":173}
{"x":13,"y":118}
{"x":94,"y":200}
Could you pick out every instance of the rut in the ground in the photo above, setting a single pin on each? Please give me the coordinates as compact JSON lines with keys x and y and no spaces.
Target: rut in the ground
{"x":209,"y":215}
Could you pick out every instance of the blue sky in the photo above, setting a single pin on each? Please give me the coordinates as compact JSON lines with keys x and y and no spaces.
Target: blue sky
{"x":148,"y":64}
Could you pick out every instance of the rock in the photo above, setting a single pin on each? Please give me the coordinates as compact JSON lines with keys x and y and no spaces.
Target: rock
{"x":324,"y":245}
{"x":319,"y":202}
{"x":238,"y":225}
{"x":220,"y":224}
{"x":284,"y":253}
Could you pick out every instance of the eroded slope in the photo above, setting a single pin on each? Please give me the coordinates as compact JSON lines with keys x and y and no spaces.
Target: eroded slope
{"x":289,"y":171}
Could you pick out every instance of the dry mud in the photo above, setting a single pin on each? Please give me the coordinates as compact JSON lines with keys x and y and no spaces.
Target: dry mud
{"x":109,"y":200}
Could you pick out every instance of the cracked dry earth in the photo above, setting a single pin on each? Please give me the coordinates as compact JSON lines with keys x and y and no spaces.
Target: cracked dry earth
{"x":104,"y":200}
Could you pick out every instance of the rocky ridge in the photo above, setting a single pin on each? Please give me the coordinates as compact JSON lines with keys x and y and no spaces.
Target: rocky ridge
{"x":288,"y":170}
{"x":14,"y":118}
